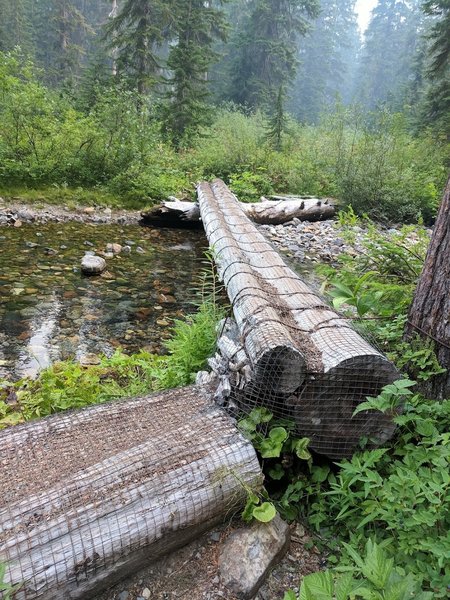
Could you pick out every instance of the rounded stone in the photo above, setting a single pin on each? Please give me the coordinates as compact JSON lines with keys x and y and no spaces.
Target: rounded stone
{"x":93,"y":265}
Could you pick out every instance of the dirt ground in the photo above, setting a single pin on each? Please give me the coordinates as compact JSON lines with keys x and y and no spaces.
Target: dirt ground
{"x":192,"y":572}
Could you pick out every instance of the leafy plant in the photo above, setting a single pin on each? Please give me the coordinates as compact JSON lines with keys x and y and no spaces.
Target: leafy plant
{"x":369,"y":577}
{"x":7,"y":589}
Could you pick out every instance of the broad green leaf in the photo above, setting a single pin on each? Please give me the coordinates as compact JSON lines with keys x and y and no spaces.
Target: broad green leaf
{"x":265,"y":513}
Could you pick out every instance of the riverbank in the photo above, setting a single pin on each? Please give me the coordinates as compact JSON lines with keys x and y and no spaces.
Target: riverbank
{"x":16,"y":212}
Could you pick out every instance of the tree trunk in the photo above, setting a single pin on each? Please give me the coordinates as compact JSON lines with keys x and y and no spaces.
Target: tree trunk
{"x":305,"y":360}
{"x":90,"y":496}
{"x":175,"y":213}
{"x":429,"y":314}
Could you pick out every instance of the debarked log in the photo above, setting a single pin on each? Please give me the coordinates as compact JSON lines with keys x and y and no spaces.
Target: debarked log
{"x":335,"y":367}
{"x":182,"y":214}
{"x":92,"y":495}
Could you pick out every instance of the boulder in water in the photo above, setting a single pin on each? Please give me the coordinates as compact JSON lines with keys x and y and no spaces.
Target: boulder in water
{"x":93,"y":265}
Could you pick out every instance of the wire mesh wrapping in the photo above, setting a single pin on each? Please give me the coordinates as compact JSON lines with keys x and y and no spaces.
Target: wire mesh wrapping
{"x":89,"y":496}
{"x":287,"y":350}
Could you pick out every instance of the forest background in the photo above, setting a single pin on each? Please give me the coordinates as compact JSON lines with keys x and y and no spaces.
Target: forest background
{"x":128,"y":102}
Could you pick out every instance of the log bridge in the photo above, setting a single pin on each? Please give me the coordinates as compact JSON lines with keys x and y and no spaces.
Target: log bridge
{"x":89,"y":496}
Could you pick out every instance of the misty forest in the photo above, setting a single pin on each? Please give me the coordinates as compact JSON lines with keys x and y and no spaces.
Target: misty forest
{"x":224,"y":299}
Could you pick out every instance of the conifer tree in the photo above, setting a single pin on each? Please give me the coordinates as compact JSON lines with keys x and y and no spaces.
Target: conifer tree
{"x":15,"y":25}
{"x":387,"y":63}
{"x":327,"y":58}
{"x":267,"y":48}
{"x":278,"y":121}
{"x":436,"y":109}
{"x":198,"y":24}
{"x":135,"y":33}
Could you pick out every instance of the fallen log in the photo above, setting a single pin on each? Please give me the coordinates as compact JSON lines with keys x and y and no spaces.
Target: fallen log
{"x":336,"y":369}
{"x":277,"y":212}
{"x":90,"y":496}
{"x":175,"y":213}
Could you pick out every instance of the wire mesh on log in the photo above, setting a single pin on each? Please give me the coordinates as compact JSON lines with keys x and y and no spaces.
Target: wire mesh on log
{"x":88,"y":496}
{"x":285,"y":348}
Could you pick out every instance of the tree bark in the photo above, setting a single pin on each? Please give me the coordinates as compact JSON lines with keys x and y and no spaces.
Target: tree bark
{"x":305,"y":360}
{"x":429,"y":314}
{"x":267,"y":212}
{"x":90,"y":496}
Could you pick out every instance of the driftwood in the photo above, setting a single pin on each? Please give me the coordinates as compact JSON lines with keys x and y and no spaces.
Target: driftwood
{"x":304,"y":358}
{"x":89,"y":496}
{"x":175,"y":213}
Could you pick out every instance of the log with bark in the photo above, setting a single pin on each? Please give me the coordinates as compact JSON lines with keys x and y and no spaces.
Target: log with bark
{"x":90,"y":496}
{"x":176,"y":213}
{"x":429,"y":313}
{"x":304,"y":358}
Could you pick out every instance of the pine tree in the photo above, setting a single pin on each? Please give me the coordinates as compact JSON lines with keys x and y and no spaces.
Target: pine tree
{"x":198,"y":25}
{"x":267,"y":47}
{"x":135,"y":33}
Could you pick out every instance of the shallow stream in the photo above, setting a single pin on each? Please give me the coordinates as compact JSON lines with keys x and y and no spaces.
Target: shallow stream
{"x":49,"y":311}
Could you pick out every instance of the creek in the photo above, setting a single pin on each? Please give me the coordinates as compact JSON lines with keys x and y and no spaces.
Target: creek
{"x":49,"y":311}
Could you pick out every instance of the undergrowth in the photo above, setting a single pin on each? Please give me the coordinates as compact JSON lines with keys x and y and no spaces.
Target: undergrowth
{"x":382,"y":517}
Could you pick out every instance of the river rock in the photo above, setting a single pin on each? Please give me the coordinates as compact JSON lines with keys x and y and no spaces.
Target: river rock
{"x":114,"y":248}
{"x":249,"y":553}
{"x":93,"y":265}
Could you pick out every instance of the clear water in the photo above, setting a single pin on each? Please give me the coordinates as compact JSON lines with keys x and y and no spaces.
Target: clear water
{"x":49,"y":311}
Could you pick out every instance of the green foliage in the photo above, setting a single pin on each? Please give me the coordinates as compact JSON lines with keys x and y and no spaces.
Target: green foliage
{"x":68,"y":385}
{"x":370,"y":577}
{"x":249,"y":187}
{"x":7,"y":590}
{"x":399,"y":496}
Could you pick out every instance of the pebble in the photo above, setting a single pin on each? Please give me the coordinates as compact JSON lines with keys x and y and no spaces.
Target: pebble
{"x":146,"y":593}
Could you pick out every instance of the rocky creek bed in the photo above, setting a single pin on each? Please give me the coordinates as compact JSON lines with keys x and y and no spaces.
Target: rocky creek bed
{"x":49,"y":311}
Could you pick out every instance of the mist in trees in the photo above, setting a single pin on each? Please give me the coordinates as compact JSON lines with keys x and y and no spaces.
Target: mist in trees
{"x":296,"y":57}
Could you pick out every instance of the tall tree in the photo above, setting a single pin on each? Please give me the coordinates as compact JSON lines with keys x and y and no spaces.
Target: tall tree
{"x":429,"y":313}
{"x":327,"y":58}
{"x":15,"y":25}
{"x":266,"y":49}
{"x":436,"y":109}
{"x":387,"y":60}
{"x":198,"y":24}
{"x":135,"y":33}
{"x":61,"y":32}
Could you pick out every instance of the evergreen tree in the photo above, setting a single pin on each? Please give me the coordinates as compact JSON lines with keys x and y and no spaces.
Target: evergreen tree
{"x":327,"y":59}
{"x":267,"y":47}
{"x":15,"y":25}
{"x":436,"y":109}
{"x":198,"y":25}
{"x":61,"y":31}
{"x":387,"y":63}
{"x":135,"y":33}
{"x":278,"y":121}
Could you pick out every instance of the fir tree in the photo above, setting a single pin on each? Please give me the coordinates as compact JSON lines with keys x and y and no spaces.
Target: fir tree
{"x":135,"y":33}
{"x":327,"y":58}
{"x":198,"y":25}
{"x":278,"y":121}
{"x":267,"y":47}
{"x":15,"y":25}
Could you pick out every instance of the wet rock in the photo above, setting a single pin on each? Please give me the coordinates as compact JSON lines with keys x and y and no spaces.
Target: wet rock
{"x":140,"y":250}
{"x":113,"y":248}
{"x":126,"y":249}
{"x":93,"y":265}
{"x":249,"y":553}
